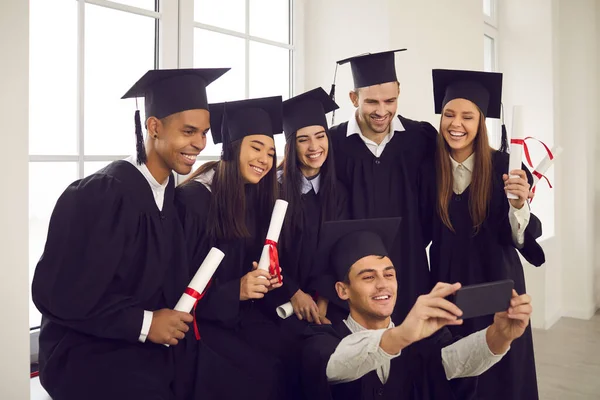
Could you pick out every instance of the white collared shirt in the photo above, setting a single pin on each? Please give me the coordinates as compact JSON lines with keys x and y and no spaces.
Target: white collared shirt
{"x":518,"y":219}
{"x":158,"y":190}
{"x":307,"y":184}
{"x":376,"y":149}
{"x":360,"y":353}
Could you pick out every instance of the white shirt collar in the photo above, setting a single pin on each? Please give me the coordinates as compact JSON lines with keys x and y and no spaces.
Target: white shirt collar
{"x":354,"y":128}
{"x":307,"y":185}
{"x":356,"y":327}
{"x":469,"y":163}
{"x":147,"y":174}
{"x":206,"y":178}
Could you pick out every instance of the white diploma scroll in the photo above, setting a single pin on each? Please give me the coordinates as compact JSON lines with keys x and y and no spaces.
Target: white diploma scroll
{"x":285,"y":310}
{"x":199,"y":281}
{"x":545,"y":164}
{"x":273,"y":233}
{"x":516,"y":149}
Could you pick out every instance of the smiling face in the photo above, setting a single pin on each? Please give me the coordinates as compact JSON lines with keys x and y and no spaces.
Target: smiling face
{"x":377,"y":106}
{"x":371,"y":290}
{"x":257,"y":155}
{"x":459,"y":125}
{"x":177,"y":140}
{"x":312,"y":147}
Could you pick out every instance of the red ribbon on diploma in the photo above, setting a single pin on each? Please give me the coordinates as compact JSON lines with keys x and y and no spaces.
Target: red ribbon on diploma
{"x":540,"y":177}
{"x":523,"y":143}
{"x":274,"y":268}
{"x":198,"y":296}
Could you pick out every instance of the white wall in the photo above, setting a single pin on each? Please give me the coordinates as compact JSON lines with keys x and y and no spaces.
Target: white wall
{"x":14,"y":81}
{"x":336,"y":29}
{"x":578,"y":130}
{"x":526,"y":52}
{"x":597,"y":169}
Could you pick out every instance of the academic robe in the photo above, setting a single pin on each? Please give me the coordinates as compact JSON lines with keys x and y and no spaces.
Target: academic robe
{"x":238,"y":335}
{"x":417,"y":374}
{"x":389,"y":186}
{"x":490,"y":255}
{"x":298,"y":253}
{"x":110,"y":254}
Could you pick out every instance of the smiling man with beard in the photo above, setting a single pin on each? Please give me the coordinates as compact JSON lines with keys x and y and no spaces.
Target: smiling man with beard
{"x":380,"y":157}
{"x":366,"y":356}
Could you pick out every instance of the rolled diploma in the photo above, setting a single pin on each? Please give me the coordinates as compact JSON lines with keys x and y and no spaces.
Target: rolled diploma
{"x":200,"y":279}
{"x":546,"y":164}
{"x":516,"y":150}
{"x":285,"y":310}
{"x":273,"y":233}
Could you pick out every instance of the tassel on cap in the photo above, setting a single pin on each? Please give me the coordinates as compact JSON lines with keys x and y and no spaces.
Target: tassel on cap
{"x":139,"y":140}
{"x":504,"y":138}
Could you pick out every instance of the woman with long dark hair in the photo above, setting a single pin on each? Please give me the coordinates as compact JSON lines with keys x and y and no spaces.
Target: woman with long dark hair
{"x":227,"y":204}
{"x":309,"y":185}
{"x":477,"y":230}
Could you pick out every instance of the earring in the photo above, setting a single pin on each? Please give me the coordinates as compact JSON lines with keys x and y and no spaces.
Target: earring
{"x":155,"y":136}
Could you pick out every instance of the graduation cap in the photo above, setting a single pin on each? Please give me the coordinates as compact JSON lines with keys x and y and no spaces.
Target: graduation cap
{"x":372,"y":69}
{"x":169,"y":91}
{"x":306,"y":109}
{"x":346,"y":242}
{"x":482,"y":88}
{"x":232,"y":121}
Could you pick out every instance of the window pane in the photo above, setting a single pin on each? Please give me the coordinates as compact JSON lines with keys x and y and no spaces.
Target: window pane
{"x":487,"y":7}
{"x":53,"y":77}
{"x":119,"y":49}
{"x":269,"y":70}
{"x":47,"y":181}
{"x":270,"y":19}
{"x":228,"y":14}
{"x":209,"y":53}
{"x":147,"y":4}
{"x":90,"y":167}
{"x":488,"y":54}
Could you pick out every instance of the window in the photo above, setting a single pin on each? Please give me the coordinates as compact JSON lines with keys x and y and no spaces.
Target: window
{"x":254,"y":38}
{"x":80,"y":68}
{"x":490,"y":60}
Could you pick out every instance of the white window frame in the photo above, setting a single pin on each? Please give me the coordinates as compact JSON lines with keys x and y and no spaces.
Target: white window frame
{"x":165,"y":57}
{"x":186,"y":55}
{"x":490,"y":30}
{"x":175,"y":26}
{"x":491,"y":20}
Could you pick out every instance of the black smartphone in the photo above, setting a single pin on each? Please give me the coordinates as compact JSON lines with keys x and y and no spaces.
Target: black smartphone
{"x":484,"y":298}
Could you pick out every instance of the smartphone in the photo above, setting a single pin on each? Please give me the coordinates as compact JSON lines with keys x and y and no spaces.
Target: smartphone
{"x":484,"y":298}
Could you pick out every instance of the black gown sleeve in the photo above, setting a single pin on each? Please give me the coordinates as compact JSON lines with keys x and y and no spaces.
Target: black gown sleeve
{"x":222,"y":298}
{"x":319,"y":344}
{"x":73,"y":281}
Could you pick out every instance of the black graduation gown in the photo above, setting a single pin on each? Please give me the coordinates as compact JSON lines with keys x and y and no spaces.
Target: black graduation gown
{"x":237,"y":335}
{"x":488,"y":256}
{"x":298,"y":254}
{"x":417,"y":374}
{"x":389,"y":186}
{"x":110,"y":254}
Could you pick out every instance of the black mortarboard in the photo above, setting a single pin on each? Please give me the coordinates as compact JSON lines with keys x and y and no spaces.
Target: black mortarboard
{"x":346,"y":242}
{"x":482,"y":88}
{"x":306,"y":109}
{"x":169,"y":91}
{"x":372,"y":69}
{"x":232,"y":121}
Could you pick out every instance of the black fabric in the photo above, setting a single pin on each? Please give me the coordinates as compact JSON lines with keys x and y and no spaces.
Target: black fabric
{"x":110,"y":255}
{"x":482,"y":88}
{"x":389,"y":186}
{"x":488,"y":256}
{"x":239,"y":334}
{"x":169,"y":91}
{"x":372,"y":69}
{"x":417,"y":374}
{"x":306,"y":109}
